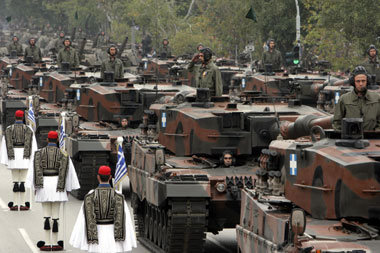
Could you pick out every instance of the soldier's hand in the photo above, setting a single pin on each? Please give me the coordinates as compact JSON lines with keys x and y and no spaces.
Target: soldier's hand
{"x":195,"y":58}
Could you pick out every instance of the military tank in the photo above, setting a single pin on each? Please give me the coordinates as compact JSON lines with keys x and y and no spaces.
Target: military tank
{"x":179,"y":188}
{"x":319,"y":193}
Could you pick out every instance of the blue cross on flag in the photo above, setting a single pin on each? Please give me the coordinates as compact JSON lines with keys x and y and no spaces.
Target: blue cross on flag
{"x":337,"y":96}
{"x":163,"y":119}
{"x":62,"y":134}
{"x":293,"y":164}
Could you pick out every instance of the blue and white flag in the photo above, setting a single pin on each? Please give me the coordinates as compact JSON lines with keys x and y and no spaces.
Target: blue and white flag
{"x":31,"y":117}
{"x":121,"y":167}
{"x":293,"y":164}
{"x":62,"y":133}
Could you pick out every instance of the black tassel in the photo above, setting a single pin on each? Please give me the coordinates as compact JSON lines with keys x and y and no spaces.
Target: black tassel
{"x":55,"y":225}
{"x":47,"y":223}
{"x":22,"y":187}
{"x":15,"y":187}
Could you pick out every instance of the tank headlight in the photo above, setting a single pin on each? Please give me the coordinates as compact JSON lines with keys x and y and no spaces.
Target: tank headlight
{"x":220,"y":187}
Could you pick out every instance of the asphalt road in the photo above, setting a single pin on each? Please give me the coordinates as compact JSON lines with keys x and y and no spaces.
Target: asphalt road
{"x":20,"y":231}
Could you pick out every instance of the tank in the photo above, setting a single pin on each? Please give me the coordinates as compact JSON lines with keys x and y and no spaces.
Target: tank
{"x":180,"y":190}
{"x":303,"y":86}
{"x":318,"y":193}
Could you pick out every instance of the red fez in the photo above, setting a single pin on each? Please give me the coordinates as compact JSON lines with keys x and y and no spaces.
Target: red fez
{"x":104,"y":170}
{"x":53,"y":135}
{"x":19,"y":114}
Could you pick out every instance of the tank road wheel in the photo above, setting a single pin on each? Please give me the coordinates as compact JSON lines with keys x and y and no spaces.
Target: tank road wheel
{"x":146,"y":221}
{"x":138,"y":214}
{"x":186,"y":225}
{"x":155,"y":225}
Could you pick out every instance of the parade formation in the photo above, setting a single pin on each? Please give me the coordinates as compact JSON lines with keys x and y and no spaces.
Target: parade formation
{"x":151,"y":147}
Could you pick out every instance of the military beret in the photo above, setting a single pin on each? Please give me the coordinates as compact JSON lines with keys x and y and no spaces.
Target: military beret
{"x":104,"y":170}
{"x":53,"y":135}
{"x":19,"y":114}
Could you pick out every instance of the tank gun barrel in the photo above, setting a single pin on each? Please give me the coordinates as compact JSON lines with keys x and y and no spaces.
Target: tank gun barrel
{"x":301,"y":127}
{"x":121,"y":49}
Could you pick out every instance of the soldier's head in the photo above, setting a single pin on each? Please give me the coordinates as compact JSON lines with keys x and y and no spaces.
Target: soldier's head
{"x":104,"y":174}
{"x":271,"y":44}
{"x":19,"y":115}
{"x":52,"y":137}
{"x":124,"y":123}
{"x":228,"y":158}
{"x":165,"y":42}
{"x":200,"y":47}
{"x":372,"y":51}
{"x":206,"y":53}
{"x":32,"y":41}
{"x":15,"y":39}
{"x":79,"y":29}
{"x":102,"y":33}
{"x":67,"y":42}
{"x":359,"y":79}
{"x":61,"y":34}
{"x":112,"y":50}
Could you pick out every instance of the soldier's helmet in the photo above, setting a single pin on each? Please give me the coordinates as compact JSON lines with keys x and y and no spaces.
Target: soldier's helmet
{"x":207,"y":53}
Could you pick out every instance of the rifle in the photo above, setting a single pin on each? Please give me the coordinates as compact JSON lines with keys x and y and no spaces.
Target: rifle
{"x":120,"y":51}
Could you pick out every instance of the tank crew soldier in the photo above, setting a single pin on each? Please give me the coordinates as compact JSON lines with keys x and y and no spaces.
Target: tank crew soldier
{"x":104,"y":223}
{"x":102,"y":40}
{"x":227,"y":159}
{"x":272,"y":56}
{"x":165,"y":49}
{"x":17,"y":146}
{"x":359,"y":103}
{"x":208,"y":74}
{"x":33,"y":51}
{"x":15,"y":46}
{"x":146,"y":45}
{"x":52,"y":176}
{"x":68,"y":54}
{"x":124,"y":124}
{"x":197,"y":64}
{"x":372,"y":64}
{"x":112,"y":64}
{"x":59,"y":42}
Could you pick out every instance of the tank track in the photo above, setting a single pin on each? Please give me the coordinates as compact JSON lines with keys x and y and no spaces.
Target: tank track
{"x":179,"y":227}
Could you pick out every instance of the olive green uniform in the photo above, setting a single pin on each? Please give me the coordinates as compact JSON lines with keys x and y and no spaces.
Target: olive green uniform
{"x":15,"y":47}
{"x":194,"y":68}
{"x":114,"y":65}
{"x":373,"y":67}
{"x":34,"y":52}
{"x":102,"y":41}
{"x":69,"y":55}
{"x":350,"y":105}
{"x":272,"y":57}
{"x":165,"y":51}
{"x":209,"y":76}
{"x":59,"y":44}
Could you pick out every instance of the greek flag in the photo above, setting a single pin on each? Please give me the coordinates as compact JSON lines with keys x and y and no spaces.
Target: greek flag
{"x":31,"y":117}
{"x":121,"y":167}
{"x":293,"y":164}
{"x":62,"y":135}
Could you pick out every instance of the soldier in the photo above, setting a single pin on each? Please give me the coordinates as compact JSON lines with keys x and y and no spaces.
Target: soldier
{"x":18,"y":144}
{"x":104,"y":223}
{"x":146,"y":45}
{"x":227,"y":159}
{"x":208,"y":74}
{"x":272,"y":56}
{"x":359,"y":103}
{"x":124,"y":124}
{"x":33,"y":51}
{"x":15,"y":46}
{"x":68,"y":54}
{"x":197,"y":64}
{"x":52,"y":176}
{"x":165,"y":49}
{"x":112,"y":64}
{"x":102,"y":40}
{"x":59,"y":43}
{"x":372,"y":64}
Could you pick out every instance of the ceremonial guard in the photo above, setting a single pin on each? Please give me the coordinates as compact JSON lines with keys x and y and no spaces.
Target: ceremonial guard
{"x":104,"y":223}
{"x":52,"y":176}
{"x":17,"y":146}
